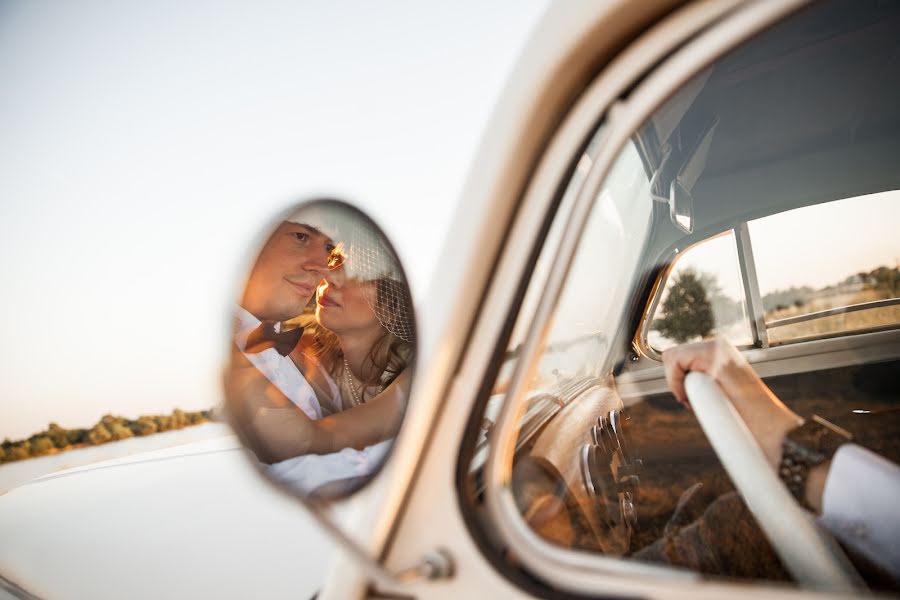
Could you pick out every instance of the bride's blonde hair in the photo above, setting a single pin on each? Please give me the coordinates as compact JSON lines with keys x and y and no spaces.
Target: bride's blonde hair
{"x":389,"y":355}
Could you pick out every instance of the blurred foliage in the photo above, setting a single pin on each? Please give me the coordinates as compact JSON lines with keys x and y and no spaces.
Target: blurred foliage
{"x":108,"y":429}
{"x":692,"y":293}
{"x":883,"y":280}
{"x":688,"y":311}
{"x":782,"y":299}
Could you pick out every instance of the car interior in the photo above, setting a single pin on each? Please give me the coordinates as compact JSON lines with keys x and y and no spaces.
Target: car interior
{"x":607,"y":461}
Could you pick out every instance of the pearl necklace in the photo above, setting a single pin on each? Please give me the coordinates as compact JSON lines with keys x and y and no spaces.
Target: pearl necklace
{"x":354,"y":394}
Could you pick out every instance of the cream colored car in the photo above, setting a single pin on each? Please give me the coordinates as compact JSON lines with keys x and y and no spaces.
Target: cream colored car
{"x":654,"y":173}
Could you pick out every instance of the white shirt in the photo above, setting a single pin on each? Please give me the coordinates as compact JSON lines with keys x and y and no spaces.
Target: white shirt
{"x":310,"y":471}
{"x":278,"y":369}
{"x":860,"y":505}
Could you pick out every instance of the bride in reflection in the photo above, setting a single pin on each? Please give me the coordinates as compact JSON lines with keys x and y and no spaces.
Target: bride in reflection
{"x":361,"y":338}
{"x":355,"y":355}
{"x":357,"y":351}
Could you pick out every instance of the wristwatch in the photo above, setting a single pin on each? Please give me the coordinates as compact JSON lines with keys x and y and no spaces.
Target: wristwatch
{"x":810,"y":444}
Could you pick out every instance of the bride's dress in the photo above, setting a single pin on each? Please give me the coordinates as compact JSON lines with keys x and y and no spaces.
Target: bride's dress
{"x":310,"y":472}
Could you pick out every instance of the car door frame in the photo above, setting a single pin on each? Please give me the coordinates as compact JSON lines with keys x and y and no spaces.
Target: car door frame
{"x":460,"y":344}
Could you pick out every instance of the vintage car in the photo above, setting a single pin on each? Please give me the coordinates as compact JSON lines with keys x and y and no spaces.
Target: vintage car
{"x":654,"y":173}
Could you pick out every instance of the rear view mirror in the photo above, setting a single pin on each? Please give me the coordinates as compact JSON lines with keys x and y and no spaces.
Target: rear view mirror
{"x":681,"y":207}
{"x":323,"y":350}
{"x":692,"y":162}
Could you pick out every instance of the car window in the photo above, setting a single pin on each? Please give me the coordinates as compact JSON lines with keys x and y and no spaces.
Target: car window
{"x":829,"y":269}
{"x":820,"y":271}
{"x":703,"y":296}
{"x":754,"y":159}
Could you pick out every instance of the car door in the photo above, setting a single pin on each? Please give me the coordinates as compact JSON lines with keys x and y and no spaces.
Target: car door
{"x":572,"y":479}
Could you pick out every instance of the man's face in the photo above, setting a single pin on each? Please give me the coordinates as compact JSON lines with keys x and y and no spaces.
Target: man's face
{"x":287,"y":271}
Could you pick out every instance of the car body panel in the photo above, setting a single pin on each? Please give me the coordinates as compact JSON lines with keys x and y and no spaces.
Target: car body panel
{"x":180,"y":521}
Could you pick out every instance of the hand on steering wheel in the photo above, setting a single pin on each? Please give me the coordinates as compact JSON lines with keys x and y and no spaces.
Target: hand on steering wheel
{"x":746,"y":423}
{"x":767,"y":417}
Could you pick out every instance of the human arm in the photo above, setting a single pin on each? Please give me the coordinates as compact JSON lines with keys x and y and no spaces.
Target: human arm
{"x":766,"y":416}
{"x":277,"y":430}
{"x":290,"y":433}
{"x":859,"y":506}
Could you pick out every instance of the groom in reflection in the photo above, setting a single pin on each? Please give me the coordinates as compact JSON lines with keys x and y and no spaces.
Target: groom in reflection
{"x":284,"y":279}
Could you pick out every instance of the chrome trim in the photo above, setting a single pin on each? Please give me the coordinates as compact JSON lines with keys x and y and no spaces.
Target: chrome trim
{"x":659,"y":286}
{"x":586,"y":476}
{"x":752,"y":296}
{"x":655,"y":296}
{"x":786,"y":359}
{"x":838,"y":310}
{"x":13,"y":589}
{"x":569,"y":569}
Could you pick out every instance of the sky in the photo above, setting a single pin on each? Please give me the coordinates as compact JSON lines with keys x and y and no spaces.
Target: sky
{"x":147,"y":145}
{"x":812,"y":246}
{"x":831,"y":241}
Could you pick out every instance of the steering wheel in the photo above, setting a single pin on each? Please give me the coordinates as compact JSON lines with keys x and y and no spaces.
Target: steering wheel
{"x":811,"y":555}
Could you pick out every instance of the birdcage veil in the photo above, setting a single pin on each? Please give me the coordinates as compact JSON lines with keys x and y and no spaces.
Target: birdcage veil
{"x":368,"y":257}
{"x":365,"y":255}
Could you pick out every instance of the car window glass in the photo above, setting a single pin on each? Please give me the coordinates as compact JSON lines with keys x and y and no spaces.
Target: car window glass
{"x":703,"y":297}
{"x":816,"y":277}
{"x":578,"y":340}
{"x":850,"y":253}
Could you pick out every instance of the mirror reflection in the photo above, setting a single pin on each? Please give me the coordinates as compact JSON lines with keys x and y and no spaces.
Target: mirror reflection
{"x":324,"y":340}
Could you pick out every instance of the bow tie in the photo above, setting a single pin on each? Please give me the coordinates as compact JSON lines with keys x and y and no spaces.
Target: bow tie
{"x":265,"y":337}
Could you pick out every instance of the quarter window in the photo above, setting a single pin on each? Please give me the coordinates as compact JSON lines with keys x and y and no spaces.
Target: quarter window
{"x":808,"y":273}
{"x":830,"y":269}
{"x":703,"y":296}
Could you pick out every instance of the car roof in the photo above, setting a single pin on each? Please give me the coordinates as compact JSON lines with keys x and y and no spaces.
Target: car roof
{"x":785,"y":122}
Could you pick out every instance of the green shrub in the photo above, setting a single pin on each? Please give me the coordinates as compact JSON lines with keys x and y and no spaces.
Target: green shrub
{"x":688,"y":312}
{"x":99,"y":434}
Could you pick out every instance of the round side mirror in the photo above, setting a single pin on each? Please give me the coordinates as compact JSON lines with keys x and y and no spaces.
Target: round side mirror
{"x":324,"y":342}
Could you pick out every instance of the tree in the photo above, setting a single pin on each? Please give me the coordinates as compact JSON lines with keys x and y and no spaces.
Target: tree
{"x":886,"y":280}
{"x":109,"y":420}
{"x":18,"y":452}
{"x":58,"y":435}
{"x":687,"y":309}
{"x":164,"y":423}
{"x":41,"y":445}
{"x":77,"y":436}
{"x":782,"y":299}
{"x":145,"y":425}
{"x":119,"y":431}
{"x":179,"y":419}
{"x":109,"y":428}
{"x":99,"y":434}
